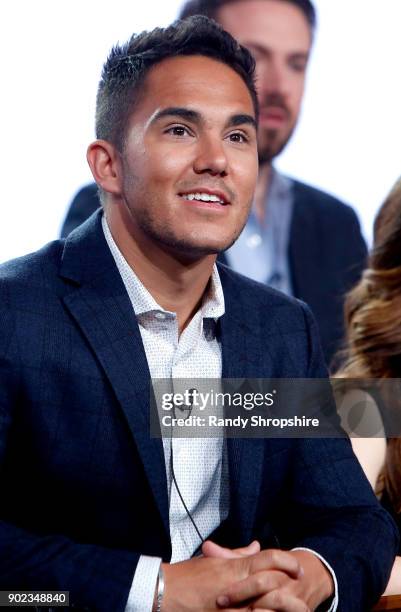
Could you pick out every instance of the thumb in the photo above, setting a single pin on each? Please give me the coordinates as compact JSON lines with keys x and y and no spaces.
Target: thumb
{"x":210,"y":549}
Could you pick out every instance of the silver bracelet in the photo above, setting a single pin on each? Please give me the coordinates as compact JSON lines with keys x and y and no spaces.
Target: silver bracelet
{"x":160,"y":589}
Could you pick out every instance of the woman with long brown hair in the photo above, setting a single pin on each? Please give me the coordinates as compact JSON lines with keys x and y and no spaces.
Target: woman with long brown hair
{"x":373,"y":321}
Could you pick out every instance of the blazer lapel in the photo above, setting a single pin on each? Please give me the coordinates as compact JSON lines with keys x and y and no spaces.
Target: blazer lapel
{"x":245,"y":456}
{"x":304,"y":249}
{"x":99,"y":303}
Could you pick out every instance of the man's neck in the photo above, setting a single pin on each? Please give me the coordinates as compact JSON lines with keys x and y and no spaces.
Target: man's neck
{"x":261,"y":190}
{"x":176,"y":284}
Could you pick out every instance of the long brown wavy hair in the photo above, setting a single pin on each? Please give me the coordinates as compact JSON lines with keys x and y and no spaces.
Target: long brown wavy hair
{"x":373,"y":323}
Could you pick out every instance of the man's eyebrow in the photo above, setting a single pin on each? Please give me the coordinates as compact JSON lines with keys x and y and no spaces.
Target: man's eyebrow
{"x":195,"y":117}
{"x":178,"y":111}
{"x":300,"y":55}
{"x":266,"y":51}
{"x":241,"y":119}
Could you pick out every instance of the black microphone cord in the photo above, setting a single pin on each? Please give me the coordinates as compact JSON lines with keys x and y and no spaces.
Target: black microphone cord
{"x":180,"y":494}
{"x":202,"y":539}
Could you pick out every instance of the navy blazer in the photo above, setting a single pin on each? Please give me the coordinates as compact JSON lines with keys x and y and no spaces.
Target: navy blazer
{"x":326,"y":253}
{"x":84,"y":489}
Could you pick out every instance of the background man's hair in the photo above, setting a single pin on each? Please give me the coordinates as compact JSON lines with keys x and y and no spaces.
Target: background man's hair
{"x":210,"y":8}
{"x":126,"y":68}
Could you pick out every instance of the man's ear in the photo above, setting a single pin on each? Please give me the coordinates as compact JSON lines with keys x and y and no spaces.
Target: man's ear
{"x":104,"y":162}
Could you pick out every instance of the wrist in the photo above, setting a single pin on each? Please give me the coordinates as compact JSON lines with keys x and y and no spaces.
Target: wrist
{"x":317,"y":579}
{"x":159,"y":591}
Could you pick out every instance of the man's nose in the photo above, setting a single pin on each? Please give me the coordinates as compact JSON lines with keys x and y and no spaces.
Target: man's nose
{"x":211,"y":156}
{"x":271,"y":79}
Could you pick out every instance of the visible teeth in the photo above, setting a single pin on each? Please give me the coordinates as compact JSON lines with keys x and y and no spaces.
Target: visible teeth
{"x":204,"y":197}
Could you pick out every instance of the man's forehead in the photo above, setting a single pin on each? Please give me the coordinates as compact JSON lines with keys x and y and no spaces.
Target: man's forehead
{"x":267,"y":22}
{"x":188,"y":68}
{"x":195,"y":82}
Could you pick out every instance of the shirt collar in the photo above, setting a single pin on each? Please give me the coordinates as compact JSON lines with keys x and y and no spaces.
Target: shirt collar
{"x":143,"y":302}
{"x":213,"y":305}
{"x":279,"y":185}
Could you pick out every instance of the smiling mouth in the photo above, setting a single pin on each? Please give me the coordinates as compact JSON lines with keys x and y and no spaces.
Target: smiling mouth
{"x":201,"y":196}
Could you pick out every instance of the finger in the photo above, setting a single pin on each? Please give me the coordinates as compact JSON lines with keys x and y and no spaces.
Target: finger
{"x":280,"y":560}
{"x":210,"y":549}
{"x":246,"y":551}
{"x":278,"y":601}
{"x":254,"y":586}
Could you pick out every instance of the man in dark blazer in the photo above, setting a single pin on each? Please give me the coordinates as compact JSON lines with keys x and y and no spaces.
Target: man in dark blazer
{"x":89,"y":500}
{"x":299,"y":239}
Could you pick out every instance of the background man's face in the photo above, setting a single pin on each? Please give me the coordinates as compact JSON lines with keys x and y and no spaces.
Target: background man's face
{"x":190,"y":157}
{"x":278,"y":36}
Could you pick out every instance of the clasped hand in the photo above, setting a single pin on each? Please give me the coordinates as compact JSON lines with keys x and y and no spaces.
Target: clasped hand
{"x":246,"y":579}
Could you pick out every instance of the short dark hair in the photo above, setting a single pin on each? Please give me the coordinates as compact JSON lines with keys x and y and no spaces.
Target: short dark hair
{"x":128,"y":64}
{"x":210,"y":8}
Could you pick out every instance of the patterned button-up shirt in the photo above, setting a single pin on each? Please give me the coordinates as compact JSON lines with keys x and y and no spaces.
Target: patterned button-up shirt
{"x":200,"y":465}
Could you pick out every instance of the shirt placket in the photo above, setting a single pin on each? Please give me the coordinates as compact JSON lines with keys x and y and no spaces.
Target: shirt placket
{"x":185,"y":454}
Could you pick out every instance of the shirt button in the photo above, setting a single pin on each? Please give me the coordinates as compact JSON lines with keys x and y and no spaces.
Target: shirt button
{"x":160,"y":315}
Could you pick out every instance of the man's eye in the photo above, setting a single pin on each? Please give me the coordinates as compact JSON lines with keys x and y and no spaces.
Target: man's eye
{"x":178,"y":130}
{"x":298,"y":65}
{"x":238,"y":137}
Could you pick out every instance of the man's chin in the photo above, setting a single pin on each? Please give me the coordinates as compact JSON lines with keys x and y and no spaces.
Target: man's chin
{"x":270,"y":144}
{"x":197,"y":250}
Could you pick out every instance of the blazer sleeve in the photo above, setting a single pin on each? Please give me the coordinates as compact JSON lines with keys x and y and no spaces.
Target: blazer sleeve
{"x":333,"y":510}
{"x":98,"y":578}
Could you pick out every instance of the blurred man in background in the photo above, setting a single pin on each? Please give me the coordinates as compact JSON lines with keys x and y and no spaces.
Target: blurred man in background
{"x":298,"y":239}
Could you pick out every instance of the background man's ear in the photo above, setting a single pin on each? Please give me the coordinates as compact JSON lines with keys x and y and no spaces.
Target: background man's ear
{"x":104,"y":162}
